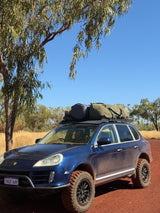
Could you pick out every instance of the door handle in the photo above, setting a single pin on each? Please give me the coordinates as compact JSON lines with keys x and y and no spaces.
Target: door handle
{"x":119,"y":150}
{"x":135,"y":147}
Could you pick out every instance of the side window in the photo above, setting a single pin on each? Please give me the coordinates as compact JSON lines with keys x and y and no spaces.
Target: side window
{"x":124,"y":133}
{"x":135,"y":133}
{"x":108,"y":132}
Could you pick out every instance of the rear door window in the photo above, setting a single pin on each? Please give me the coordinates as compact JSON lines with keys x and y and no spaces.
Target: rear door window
{"x":124,"y":133}
{"x":134,"y":132}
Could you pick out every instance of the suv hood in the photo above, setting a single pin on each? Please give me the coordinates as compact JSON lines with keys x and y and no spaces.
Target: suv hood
{"x":27,"y":156}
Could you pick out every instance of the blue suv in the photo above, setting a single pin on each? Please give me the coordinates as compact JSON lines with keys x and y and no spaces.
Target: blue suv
{"x":77,"y":156}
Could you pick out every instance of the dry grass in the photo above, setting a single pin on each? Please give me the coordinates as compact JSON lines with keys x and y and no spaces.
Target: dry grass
{"x":21,"y":139}
{"x":27,"y":138}
{"x":150,"y":134}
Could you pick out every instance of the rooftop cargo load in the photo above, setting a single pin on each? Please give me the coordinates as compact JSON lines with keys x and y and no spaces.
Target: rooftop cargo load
{"x":96,"y":111}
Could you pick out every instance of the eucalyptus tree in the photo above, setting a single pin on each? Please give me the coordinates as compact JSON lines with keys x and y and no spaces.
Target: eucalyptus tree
{"x":57,"y":115}
{"x":38,"y":119}
{"x":26,"y":26}
{"x":149,"y":111}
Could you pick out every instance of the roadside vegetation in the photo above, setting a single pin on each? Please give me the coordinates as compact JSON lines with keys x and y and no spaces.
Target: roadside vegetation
{"x":150,"y":134}
{"x":36,"y":123}
{"x":21,"y":138}
{"x":145,"y":116}
{"x":32,"y":125}
{"x":24,"y":138}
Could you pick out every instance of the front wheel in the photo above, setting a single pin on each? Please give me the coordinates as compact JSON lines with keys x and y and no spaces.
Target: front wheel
{"x":143,"y":174}
{"x":79,"y":196}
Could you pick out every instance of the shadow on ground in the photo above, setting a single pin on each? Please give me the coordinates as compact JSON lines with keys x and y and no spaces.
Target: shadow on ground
{"x":113,"y":186}
{"x":49,"y":203}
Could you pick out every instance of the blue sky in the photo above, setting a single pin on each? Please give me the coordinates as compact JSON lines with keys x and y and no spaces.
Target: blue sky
{"x":124,"y":70}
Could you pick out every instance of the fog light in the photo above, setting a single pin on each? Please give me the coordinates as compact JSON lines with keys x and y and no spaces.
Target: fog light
{"x":51,"y":176}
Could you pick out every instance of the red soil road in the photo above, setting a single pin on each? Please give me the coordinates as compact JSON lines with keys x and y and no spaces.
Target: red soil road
{"x":115,"y":197}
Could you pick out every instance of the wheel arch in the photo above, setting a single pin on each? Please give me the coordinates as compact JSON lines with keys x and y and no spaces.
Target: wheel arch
{"x":86,"y":168}
{"x":145,"y":156}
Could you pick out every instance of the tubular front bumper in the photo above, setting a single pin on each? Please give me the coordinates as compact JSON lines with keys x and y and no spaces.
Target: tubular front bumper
{"x":25,"y":182}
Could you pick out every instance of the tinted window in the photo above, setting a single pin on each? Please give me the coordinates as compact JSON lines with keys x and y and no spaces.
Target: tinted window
{"x":124,"y":133}
{"x":135,"y":133}
{"x":108,"y":132}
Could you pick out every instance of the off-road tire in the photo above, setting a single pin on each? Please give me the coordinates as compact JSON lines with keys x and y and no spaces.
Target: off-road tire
{"x":78,"y":197}
{"x":143,"y":174}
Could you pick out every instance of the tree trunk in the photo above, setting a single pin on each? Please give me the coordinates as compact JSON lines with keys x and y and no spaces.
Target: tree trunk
{"x":10,"y":113}
{"x":155,"y":123}
{"x":10,"y":121}
{"x":8,"y":138}
{"x":8,"y":132}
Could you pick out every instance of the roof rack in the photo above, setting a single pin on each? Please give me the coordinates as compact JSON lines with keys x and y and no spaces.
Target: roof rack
{"x":116,"y":120}
{"x":100,"y":121}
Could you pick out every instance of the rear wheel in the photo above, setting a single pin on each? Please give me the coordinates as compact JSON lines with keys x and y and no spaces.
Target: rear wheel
{"x":79,"y":196}
{"x":143,"y":174}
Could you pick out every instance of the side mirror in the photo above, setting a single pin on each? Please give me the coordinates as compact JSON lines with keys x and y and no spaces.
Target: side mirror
{"x":37,"y":140}
{"x":104,"y":141}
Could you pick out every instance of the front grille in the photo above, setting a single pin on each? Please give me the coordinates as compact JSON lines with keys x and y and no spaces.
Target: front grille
{"x":40,"y":177}
{"x":27,"y":179}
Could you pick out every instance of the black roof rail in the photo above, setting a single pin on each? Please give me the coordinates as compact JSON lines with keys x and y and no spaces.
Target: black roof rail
{"x":116,"y":120}
{"x":99,"y":121}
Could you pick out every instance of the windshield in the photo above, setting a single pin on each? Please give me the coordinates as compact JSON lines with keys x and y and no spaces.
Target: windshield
{"x":70,"y":134}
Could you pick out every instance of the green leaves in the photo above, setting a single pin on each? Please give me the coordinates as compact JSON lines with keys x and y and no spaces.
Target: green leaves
{"x":27,"y":26}
{"x":35,"y":23}
{"x":149,"y":111}
{"x":96,"y":19}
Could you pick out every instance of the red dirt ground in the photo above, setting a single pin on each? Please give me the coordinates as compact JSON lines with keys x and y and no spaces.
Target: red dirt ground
{"x":118,"y":196}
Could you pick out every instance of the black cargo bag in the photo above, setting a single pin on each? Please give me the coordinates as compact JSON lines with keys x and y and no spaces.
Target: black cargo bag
{"x":79,"y":112}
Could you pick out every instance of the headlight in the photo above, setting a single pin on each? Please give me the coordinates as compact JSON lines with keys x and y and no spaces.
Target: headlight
{"x":1,"y":158}
{"x":50,"y":161}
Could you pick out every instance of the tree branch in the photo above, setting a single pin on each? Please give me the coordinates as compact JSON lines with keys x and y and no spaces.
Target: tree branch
{"x":52,"y":35}
{"x":2,"y":20}
{"x":63,"y":28}
{"x":15,"y":98}
{"x":2,"y":66}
